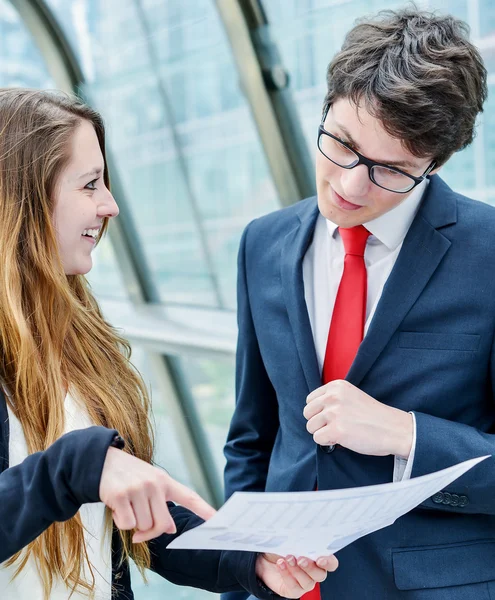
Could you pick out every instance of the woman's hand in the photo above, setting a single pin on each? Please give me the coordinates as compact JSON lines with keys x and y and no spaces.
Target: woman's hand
{"x":292,"y":578}
{"x":137,"y":493}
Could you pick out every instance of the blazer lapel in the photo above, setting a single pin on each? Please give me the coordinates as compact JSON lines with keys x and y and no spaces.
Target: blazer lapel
{"x":4,"y":433}
{"x":294,"y":248}
{"x":422,"y":251}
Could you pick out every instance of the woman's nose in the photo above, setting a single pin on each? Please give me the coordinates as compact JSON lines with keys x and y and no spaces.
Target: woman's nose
{"x":108,"y":207}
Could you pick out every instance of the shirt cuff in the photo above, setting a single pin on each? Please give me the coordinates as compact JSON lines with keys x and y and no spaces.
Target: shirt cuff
{"x":402,"y":466}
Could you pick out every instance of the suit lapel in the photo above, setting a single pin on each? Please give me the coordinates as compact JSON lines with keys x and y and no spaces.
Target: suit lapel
{"x":422,"y":251}
{"x":4,"y":433}
{"x":294,"y":248}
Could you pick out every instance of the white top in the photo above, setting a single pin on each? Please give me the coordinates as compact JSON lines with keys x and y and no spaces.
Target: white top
{"x":323,"y":265}
{"x":27,"y":585}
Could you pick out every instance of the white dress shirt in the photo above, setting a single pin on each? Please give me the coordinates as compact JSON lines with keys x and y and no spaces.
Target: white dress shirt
{"x":28,"y":585}
{"x":323,"y":265}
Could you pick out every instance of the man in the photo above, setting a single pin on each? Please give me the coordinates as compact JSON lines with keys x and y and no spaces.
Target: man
{"x":320,"y":407}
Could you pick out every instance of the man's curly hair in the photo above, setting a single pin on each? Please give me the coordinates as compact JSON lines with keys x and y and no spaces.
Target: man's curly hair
{"x":419,"y":74}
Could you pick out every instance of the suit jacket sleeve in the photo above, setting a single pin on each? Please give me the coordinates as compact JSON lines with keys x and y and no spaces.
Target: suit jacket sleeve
{"x":50,"y":486}
{"x":213,"y":570}
{"x":441,"y":443}
{"x":255,"y":421}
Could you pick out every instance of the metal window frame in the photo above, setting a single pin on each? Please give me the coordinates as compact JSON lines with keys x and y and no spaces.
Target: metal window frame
{"x":266,"y":84}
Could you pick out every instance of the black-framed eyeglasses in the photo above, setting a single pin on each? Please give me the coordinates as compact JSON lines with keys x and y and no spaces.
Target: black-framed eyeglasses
{"x":384,"y":176}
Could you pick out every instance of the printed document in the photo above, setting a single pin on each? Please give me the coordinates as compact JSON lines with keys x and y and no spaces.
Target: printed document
{"x":317,"y":523}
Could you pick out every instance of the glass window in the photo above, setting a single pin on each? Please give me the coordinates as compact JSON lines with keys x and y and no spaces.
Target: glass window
{"x":20,"y":61}
{"x":489,"y":142}
{"x":212,"y":385}
{"x":487,"y":17}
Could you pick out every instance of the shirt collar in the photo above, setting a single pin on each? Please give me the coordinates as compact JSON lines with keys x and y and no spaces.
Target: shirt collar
{"x":391,"y":228}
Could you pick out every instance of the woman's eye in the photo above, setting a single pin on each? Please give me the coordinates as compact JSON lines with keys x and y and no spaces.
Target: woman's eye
{"x":91,"y":185}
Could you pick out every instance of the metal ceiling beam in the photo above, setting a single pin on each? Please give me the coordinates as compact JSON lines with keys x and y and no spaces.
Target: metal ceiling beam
{"x":265,"y":83}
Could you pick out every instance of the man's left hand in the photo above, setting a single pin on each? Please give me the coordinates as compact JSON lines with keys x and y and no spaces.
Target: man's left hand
{"x":290,"y":577}
{"x":340,"y":413}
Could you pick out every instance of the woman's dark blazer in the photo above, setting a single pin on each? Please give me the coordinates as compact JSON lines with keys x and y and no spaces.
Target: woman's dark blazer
{"x":51,"y":486}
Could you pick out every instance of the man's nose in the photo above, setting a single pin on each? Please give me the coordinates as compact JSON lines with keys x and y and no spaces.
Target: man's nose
{"x":355,"y":182}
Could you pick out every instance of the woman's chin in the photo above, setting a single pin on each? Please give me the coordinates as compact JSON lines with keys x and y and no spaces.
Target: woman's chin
{"x":82,"y":268}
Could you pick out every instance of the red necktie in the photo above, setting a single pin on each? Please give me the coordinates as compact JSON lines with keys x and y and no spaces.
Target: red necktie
{"x":349,"y":314}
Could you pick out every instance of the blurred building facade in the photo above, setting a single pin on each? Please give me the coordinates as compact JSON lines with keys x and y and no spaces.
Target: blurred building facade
{"x":193,"y":161}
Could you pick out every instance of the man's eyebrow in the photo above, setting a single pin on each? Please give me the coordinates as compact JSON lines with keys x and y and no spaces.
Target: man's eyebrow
{"x":96,"y":172}
{"x":348,"y":137}
{"x":404,"y":164}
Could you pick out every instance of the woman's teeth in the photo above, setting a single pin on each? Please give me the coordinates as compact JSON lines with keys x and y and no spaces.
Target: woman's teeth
{"x":91,"y":232}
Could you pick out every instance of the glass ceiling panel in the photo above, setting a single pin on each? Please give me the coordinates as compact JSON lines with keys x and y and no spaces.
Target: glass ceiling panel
{"x":20,"y":61}
{"x":310,"y":32}
{"x":181,"y":132}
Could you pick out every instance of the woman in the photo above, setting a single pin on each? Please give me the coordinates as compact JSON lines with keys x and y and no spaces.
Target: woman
{"x":71,"y":396}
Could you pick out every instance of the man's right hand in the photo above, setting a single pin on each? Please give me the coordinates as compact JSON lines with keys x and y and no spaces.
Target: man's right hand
{"x":137,"y":493}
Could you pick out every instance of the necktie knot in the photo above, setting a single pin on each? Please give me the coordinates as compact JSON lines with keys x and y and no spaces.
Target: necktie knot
{"x":354,"y":239}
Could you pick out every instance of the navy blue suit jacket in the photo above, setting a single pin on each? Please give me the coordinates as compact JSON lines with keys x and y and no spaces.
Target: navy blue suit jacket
{"x":50,"y":486}
{"x":429,"y":349}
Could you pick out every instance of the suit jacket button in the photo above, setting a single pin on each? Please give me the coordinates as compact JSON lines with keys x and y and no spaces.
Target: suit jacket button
{"x":463,"y":501}
{"x":446,"y":498}
{"x":438,"y":498}
{"x":454,"y":500}
{"x":328,"y":449}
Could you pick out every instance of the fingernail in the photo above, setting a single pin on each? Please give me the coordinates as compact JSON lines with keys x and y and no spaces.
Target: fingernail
{"x":292,"y":561}
{"x":303,"y":563}
{"x":281,"y":564}
{"x":322,"y":562}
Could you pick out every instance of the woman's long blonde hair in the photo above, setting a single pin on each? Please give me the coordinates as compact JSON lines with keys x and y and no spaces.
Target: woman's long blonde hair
{"x":52,"y":333}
